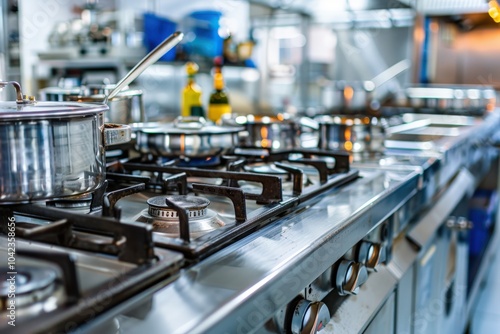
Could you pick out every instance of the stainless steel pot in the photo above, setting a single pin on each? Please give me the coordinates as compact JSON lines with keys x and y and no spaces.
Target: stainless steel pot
{"x":356,"y":134}
{"x":275,"y":132}
{"x":125,"y":108}
{"x":186,"y":137}
{"x":52,"y":149}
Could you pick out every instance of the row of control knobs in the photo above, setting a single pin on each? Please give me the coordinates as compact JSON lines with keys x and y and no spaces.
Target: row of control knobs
{"x":311,"y":317}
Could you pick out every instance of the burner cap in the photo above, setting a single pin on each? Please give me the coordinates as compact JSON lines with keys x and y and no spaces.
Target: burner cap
{"x":196,"y":206}
{"x":33,"y":283}
{"x":76,"y":203}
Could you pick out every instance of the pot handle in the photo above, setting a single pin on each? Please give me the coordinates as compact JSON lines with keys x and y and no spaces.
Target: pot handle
{"x":115,"y":134}
{"x":20,"y":98}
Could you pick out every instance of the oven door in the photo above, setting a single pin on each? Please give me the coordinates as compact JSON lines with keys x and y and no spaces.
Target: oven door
{"x":440,"y":270}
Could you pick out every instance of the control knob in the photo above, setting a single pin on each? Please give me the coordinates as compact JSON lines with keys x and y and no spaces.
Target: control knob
{"x":309,"y":317}
{"x":350,"y":276}
{"x":371,"y":255}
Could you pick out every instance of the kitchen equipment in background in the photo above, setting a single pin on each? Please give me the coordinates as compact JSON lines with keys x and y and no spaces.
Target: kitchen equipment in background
{"x":53,"y":149}
{"x":156,"y":29}
{"x":187,"y":137}
{"x":125,"y":108}
{"x":127,"y":104}
{"x":360,"y":97}
{"x":446,"y":99}
{"x":203,"y":28}
{"x":88,"y":35}
{"x":356,"y":134}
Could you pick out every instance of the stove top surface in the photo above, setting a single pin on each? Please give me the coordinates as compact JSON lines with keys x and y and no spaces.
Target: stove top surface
{"x":280,"y":257}
{"x":216,"y":223}
{"x":55,"y":285}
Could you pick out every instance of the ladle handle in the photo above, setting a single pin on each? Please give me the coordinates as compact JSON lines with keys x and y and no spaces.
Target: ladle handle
{"x":152,"y":57}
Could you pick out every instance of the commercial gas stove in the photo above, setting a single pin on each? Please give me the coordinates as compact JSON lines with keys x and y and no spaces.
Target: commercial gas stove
{"x":252,"y":241}
{"x":156,"y":225}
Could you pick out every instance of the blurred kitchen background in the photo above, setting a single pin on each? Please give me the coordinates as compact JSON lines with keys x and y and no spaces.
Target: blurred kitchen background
{"x":279,"y":54}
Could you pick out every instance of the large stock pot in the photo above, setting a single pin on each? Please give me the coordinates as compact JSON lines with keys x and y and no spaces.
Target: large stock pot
{"x":53,"y":149}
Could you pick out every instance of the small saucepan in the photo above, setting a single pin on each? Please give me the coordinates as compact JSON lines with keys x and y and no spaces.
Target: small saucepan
{"x":353,"y":133}
{"x":189,"y":137}
{"x":274,"y":132}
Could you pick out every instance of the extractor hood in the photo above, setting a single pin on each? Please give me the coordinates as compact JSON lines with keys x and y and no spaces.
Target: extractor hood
{"x":448,"y":7}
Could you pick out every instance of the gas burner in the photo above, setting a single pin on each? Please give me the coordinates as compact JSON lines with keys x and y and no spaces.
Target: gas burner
{"x":196,"y":206}
{"x":72,"y":205}
{"x":34,"y":285}
{"x":165,"y":220}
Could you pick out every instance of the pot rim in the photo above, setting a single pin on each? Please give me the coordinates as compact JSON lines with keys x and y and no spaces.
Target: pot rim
{"x":75,"y":94}
{"x":12,"y":111}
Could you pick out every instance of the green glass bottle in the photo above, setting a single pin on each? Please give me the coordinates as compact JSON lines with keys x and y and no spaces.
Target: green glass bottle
{"x":219,"y":102}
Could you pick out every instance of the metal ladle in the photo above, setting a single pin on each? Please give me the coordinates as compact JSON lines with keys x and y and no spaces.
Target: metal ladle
{"x":165,"y":46}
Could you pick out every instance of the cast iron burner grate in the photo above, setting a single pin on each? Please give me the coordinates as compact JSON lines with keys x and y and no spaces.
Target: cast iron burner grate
{"x":58,"y":244}
{"x":272,"y":201}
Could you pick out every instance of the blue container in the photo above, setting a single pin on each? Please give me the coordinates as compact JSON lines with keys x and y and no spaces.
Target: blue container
{"x":156,"y":29}
{"x":204,"y":25}
{"x":483,"y":207}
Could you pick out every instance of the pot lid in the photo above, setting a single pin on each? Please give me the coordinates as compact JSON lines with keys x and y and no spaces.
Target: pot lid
{"x":41,"y":110}
{"x":26,"y":108}
{"x":205,"y":130}
{"x":188,"y":126}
